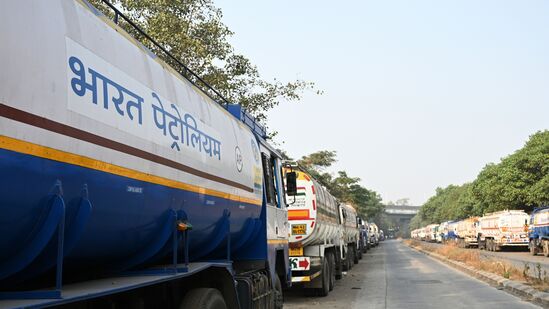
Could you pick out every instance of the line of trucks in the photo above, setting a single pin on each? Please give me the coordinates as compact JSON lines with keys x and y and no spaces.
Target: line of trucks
{"x":494,"y":231}
{"x":126,"y":182}
{"x":326,"y":236}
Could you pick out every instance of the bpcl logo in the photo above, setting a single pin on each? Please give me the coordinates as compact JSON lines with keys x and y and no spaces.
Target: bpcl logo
{"x":238,"y":158}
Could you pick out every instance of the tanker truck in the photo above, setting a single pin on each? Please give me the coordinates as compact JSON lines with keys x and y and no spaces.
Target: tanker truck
{"x":507,"y":228}
{"x":351,"y":233}
{"x":538,"y":231}
{"x":374,"y":234}
{"x":126,"y":182}
{"x":363,"y":236}
{"x":319,"y":230}
{"x":431,"y":232}
{"x":466,"y":232}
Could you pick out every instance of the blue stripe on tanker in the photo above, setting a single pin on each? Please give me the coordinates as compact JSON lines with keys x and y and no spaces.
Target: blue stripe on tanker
{"x":127,"y":214}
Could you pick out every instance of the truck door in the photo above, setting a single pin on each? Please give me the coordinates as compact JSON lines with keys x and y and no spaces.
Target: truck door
{"x":276,"y":211}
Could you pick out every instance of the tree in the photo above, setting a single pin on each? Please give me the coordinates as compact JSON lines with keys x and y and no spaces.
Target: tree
{"x":402,"y":202}
{"x":345,"y":188}
{"x":193,"y":31}
{"x":519,"y":181}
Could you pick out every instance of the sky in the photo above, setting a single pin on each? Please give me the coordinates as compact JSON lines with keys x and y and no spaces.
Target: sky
{"x":418,"y":94}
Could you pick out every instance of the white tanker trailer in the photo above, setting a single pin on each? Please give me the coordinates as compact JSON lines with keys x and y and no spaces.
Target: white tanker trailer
{"x":323,"y":236}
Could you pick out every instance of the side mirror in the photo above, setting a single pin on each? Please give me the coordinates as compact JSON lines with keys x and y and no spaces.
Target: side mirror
{"x":291,"y":183}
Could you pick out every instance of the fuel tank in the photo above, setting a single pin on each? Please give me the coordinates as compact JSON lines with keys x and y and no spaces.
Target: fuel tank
{"x":313,"y":214}
{"x":97,"y":133}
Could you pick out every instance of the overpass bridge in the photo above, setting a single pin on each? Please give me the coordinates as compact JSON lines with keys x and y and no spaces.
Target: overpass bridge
{"x":401,"y":216}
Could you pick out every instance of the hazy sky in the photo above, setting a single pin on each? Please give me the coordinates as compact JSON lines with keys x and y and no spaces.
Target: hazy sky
{"x":417,"y":94}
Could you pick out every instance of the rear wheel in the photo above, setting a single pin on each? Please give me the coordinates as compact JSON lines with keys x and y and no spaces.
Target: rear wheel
{"x":533,"y":248}
{"x":278,"y":296}
{"x":325,"y":278}
{"x":355,"y":255}
{"x":331,"y":263}
{"x":203,"y":298}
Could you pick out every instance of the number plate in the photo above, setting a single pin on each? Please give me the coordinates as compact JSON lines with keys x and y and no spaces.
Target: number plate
{"x":296,"y":251}
{"x":299,"y":229}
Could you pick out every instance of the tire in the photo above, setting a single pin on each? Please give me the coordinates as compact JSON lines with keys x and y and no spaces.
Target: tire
{"x":325,"y":278}
{"x":203,"y":298}
{"x":338,"y":265}
{"x":331,"y":263}
{"x":345,"y":262}
{"x":532,"y":247}
{"x":278,"y":296}
{"x":545,"y":248}
{"x":356,"y":255}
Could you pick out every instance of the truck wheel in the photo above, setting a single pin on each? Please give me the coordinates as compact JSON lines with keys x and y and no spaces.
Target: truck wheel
{"x":345,"y":262}
{"x":355,"y":255}
{"x":533,"y":248}
{"x":203,"y":298}
{"x":545,"y":248}
{"x":325,"y":277}
{"x":278,"y":296}
{"x":331,"y":263}
{"x":338,"y":265}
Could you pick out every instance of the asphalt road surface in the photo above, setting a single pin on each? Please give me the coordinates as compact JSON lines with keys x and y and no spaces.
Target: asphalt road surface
{"x":395,"y":276}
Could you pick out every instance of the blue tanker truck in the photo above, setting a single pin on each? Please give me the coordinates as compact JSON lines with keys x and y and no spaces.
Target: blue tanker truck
{"x":538,"y":231}
{"x":126,"y":182}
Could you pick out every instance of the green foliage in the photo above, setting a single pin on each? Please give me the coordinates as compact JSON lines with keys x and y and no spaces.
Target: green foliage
{"x":345,"y":188}
{"x":519,"y":181}
{"x":193,"y":31}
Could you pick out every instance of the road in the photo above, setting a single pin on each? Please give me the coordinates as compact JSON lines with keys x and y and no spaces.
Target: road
{"x":395,"y":276}
{"x":517,"y":257}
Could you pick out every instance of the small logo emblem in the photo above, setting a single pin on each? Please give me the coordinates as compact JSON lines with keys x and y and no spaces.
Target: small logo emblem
{"x":238,"y":158}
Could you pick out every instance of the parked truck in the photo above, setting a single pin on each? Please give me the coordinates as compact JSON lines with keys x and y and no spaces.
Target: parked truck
{"x":447,"y":231}
{"x":466,"y":232}
{"x":431,"y":232}
{"x":538,"y":231}
{"x":364,"y":236}
{"x":319,"y":230}
{"x":507,"y":228}
{"x":123,"y":182}
{"x":374,"y":234}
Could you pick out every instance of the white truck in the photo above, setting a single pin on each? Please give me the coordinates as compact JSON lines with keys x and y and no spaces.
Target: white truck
{"x":374,"y":234}
{"x":507,"y":228}
{"x":323,"y":236}
{"x":467,"y":232}
{"x":431,"y":232}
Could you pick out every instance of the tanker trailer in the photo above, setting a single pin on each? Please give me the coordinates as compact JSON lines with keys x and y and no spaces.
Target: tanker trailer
{"x":122,"y":182}
{"x":317,"y":248}
{"x":507,"y":228}
{"x":538,"y":231}
{"x":351,"y":234}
